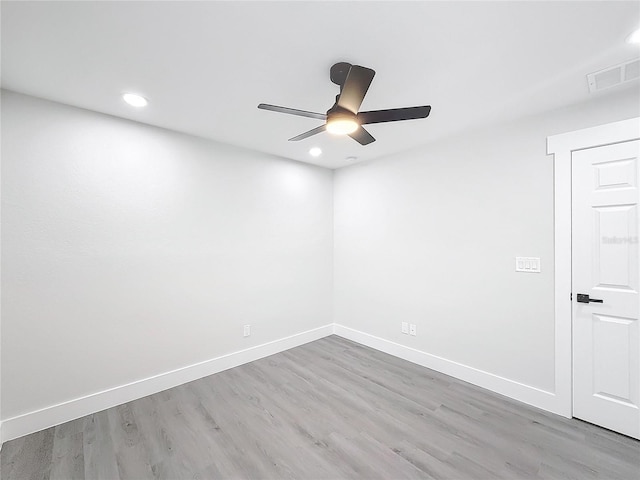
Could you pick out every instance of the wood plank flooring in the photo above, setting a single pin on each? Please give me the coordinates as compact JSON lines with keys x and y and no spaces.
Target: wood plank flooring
{"x":330,"y":409}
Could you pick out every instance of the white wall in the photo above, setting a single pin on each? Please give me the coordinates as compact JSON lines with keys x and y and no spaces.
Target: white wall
{"x":129,"y":251}
{"x":430,"y":237}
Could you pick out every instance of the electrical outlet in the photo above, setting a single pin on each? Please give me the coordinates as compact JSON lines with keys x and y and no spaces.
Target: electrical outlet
{"x":412,"y":329}
{"x":405,"y":328}
{"x":247,"y":330}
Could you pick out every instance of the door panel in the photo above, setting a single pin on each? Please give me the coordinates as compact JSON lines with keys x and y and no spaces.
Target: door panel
{"x":616,"y":174}
{"x":605,"y":266}
{"x":613,"y":358}
{"x":613,"y":253}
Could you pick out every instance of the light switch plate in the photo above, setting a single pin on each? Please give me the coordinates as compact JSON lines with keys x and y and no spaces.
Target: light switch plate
{"x":412,"y":329}
{"x":528,"y":264}
{"x":405,"y":328}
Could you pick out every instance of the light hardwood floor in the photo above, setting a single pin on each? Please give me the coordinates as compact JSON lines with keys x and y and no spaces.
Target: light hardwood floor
{"x":329,"y":409}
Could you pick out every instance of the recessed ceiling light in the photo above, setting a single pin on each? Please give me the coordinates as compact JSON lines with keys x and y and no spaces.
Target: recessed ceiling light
{"x":315,"y":152}
{"x":634,"y":37}
{"x":134,"y":100}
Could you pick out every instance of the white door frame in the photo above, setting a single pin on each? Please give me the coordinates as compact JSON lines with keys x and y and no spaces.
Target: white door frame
{"x":561,"y":147}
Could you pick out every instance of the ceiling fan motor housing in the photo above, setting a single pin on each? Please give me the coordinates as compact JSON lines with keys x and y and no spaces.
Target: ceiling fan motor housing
{"x":336,"y":112}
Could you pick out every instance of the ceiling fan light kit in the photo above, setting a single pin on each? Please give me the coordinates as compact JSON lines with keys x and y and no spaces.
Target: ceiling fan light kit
{"x":344,"y":117}
{"x":341,"y":124}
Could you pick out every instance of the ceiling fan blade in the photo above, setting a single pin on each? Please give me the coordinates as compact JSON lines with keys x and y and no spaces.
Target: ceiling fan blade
{"x":362,"y":136}
{"x":308,"y":134}
{"x":393,"y":115}
{"x":292,"y":111}
{"x":355,"y":87}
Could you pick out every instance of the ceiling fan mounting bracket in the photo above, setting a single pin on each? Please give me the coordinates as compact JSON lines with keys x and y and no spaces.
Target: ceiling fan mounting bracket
{"x":339,"y":72}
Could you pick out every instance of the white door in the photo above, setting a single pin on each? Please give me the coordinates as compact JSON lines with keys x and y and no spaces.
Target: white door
{"x":605,"y":265}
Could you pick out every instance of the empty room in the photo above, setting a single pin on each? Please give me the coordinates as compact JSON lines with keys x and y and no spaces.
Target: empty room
{"x":320,"y":240}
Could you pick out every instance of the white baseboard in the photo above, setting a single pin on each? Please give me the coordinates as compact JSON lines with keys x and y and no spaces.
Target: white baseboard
{"x":56,"y":414}
{"x":509,"y":388}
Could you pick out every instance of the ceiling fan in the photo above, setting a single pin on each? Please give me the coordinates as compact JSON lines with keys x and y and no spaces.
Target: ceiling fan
{"x":344,"y":118}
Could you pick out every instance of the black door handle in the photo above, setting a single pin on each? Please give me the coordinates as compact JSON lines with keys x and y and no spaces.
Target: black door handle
{"x":583,"y":298}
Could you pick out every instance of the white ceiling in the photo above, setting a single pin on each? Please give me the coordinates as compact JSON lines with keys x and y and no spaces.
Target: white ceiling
{"x":205,"y":66}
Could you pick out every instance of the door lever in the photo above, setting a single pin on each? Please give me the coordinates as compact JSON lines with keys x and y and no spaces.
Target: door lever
{"x":583,"y":298}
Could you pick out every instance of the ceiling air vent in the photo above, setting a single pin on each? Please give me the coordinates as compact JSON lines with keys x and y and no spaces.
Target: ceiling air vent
{"x":612,"y":76}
